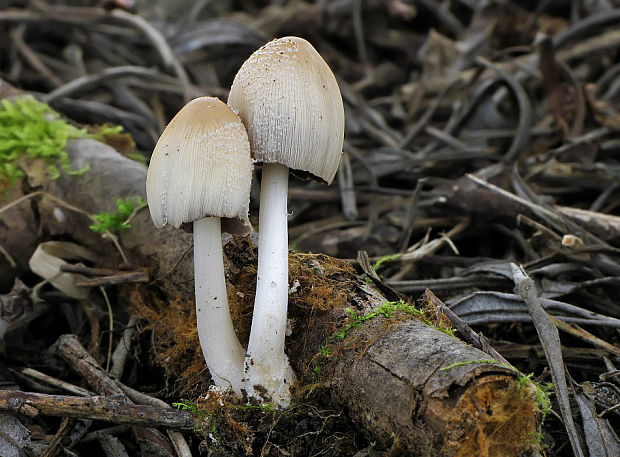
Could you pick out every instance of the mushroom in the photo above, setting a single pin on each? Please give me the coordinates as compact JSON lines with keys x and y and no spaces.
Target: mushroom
{"x":290,"y":103}
{"x":201,"y":171}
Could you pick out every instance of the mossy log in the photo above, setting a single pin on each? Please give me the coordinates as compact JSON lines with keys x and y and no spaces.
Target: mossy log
{"x":407,"y":385}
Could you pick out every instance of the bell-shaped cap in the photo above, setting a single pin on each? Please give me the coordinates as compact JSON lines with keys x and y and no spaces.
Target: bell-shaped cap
{"x":290,"y":103}
{"x":201,"y":166}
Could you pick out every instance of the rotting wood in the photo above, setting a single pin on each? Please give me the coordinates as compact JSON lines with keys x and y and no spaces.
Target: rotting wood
{"x":415,"y":398}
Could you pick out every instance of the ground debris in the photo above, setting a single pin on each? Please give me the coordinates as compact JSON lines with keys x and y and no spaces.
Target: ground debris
{"x":478,"y":134}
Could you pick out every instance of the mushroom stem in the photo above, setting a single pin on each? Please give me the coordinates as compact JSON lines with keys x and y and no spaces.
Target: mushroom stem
{"x":266,"y":363}
{"x":220,"y":347}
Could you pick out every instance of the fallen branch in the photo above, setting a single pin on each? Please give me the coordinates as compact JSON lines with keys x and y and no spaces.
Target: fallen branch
{"x":113,"y":409}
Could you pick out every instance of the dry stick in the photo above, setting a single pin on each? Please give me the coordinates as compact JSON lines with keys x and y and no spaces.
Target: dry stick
{"x":358,"y":30}
{"x":446,"y":138}
{"x":119,"y":357}
{"x":550,"y":341}
{"x":426,"y":117}
{"x":7,"y":256}
{"x":522,"y":135}
{"x":461,"y":112}
{"x":177,"y":439}
{"x":347,"y":190}
{"x":160,"y":43}
{"x":433,"y":245}
{"x":428,"y":248}
{"x":54,"y":382}
{"x":373,"y":207}
{"x":557,"y":220}
{"x":113,"y":409}
{"x":81,"y":361}
{"x":592,"y":22}
{"x":109,"y":74}
{"x":541,"y":211}
{"x":316,"y":228}
{"x":17,"y":36}
{"x":108,"y":359}
{"x":89,"y":271}
{"x":307,"y":229}
{"x":606,"y":223}
{"x":122,"y":278}
{"x":371,"y":119}
{"x":405,"y":269}
{"x":412,"y":212}
{"x":70,"y":350}
{"x":584,"y":335}
{"x":604,"y":196}
{"x":477,"y":340}
{"x":66,"y":425}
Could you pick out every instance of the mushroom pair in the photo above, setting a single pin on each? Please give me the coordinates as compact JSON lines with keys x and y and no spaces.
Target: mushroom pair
{"x":289,"y":101}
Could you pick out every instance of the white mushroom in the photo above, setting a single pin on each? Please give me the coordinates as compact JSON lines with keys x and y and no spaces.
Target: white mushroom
{"x":290,"y":103}
{"x":201,"y":171}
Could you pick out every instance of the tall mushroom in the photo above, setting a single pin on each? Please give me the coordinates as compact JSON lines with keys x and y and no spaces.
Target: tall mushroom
{"x":201,"y":171}
{"x":290,"y":103}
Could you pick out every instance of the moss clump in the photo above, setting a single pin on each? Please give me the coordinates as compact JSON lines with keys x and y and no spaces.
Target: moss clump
{"x":392,"y":313}
{"x":526,"y":385}
{"x":120,"y":219}
{"x":31,"y":129}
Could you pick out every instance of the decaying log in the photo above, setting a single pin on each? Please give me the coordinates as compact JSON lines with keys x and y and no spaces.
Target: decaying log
{"x":409,"y":386}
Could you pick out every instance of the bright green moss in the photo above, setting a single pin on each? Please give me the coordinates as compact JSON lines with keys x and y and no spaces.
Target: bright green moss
{"x":29,"y":128}
{"x":120,"y":219}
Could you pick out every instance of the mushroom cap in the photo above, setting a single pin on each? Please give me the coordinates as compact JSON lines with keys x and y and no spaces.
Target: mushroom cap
{"x":201,"y":166}
{"x":289,"y":100}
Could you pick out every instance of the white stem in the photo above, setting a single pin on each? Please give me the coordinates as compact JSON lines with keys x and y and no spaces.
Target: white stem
{"x":266,"y":363}
{"x":221,"y":348}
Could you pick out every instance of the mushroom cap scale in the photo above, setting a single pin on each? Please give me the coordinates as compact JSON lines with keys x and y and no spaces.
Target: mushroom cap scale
{"x":201,"y":166}
{"x":289,"y":100}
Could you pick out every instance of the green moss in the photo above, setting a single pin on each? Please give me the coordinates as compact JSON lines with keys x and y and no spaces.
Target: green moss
{"x":120,"y":219}
{"x":387,"y":258}
{"x":29,"y":128}
{"x":387,"y":309}
{"x":543,"y":403}
{"x":354,"y":320}
{"x":188,"y":405}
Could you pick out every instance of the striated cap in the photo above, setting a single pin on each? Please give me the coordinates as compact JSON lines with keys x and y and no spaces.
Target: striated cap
{"x":290,"y":103}
{"x":201,"y":166}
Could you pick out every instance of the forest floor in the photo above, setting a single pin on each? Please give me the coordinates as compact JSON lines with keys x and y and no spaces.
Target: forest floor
{"x":478,"y":135}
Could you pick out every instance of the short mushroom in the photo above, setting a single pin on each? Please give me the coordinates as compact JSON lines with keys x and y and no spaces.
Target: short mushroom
{"x":201,"y":171}
{"x":289,"y":100}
